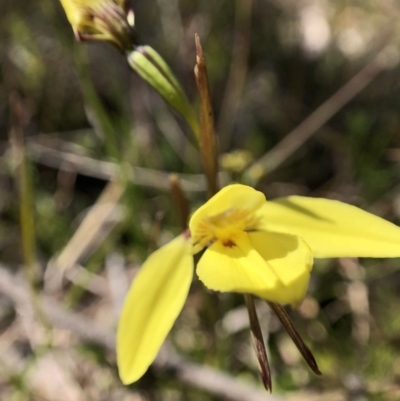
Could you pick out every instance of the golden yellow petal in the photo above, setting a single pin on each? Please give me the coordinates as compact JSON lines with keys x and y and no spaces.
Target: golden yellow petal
{"x":332,"y":228}
{"x":235,"y":196}
{"x":152,"y":305}
{"x":291,"y":260}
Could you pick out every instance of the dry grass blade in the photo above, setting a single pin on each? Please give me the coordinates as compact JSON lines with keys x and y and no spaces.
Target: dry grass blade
{"x":19,"y":116}
{"x":295,"y":336}
{"x":96,"y":225}
{"x":92,"y":229}
{"x":105,"y":170}
{"x":258,"y":342}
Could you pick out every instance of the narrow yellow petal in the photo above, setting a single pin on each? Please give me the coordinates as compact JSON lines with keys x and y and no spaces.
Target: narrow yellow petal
{"x":152,"y":305}
{"x":236,"y":268}
{"x":332,"y":228}
{"x":291,"y":260}
{"x":235,"y":196}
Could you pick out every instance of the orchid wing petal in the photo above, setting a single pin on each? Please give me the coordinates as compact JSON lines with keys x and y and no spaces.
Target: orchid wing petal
{"x":151,"y":307}
{"x":332,"y":228}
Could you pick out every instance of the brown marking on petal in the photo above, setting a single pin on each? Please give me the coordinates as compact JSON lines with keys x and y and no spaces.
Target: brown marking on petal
{"x":229,"y":244}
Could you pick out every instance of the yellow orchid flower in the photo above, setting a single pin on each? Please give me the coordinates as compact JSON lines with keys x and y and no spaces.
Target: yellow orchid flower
{"x":251,"y":246}
{"x":240,"y":257}
{"x":109,"y":20}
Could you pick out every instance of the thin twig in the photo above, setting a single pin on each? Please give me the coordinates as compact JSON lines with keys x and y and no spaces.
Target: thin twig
{"x":96,"y":225}
{"x":106,"y":170}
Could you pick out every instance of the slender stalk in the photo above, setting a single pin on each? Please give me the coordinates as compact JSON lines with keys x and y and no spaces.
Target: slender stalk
{"x":26,"y":207}
{"x":258,"y":342}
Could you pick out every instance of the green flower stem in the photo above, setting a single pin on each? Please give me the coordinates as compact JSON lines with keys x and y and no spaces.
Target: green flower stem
{"x":26,"y":205}
{"x":26,"y":209}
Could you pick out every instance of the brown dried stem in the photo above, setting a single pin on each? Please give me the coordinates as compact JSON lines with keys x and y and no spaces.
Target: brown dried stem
{"x":208,"y":146}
